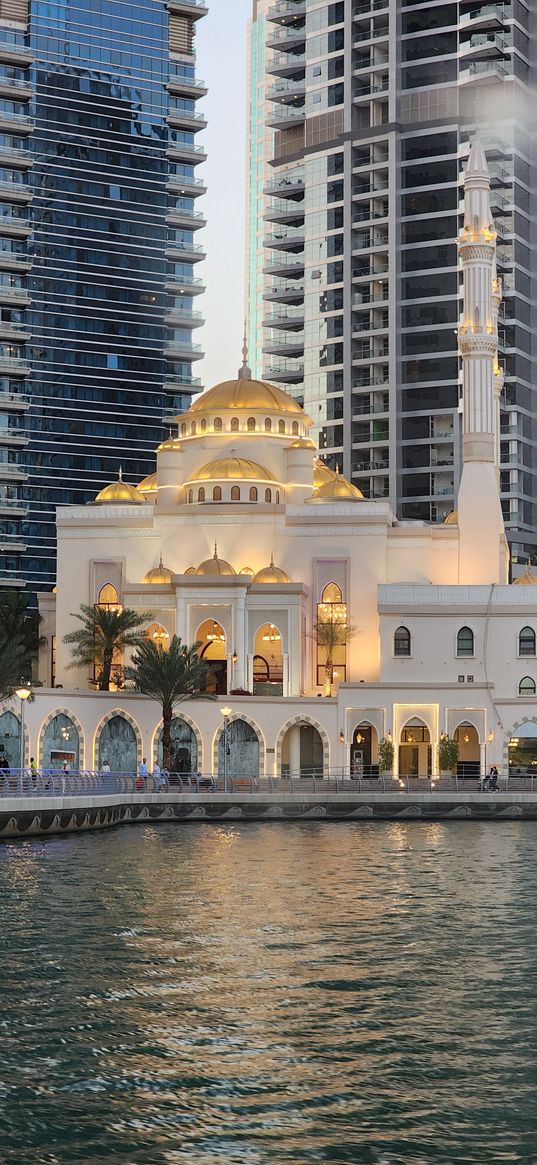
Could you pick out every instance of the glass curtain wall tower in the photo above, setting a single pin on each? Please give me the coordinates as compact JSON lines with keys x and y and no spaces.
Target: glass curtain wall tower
{"x":372,"y":105}
{"x":98,"y":253}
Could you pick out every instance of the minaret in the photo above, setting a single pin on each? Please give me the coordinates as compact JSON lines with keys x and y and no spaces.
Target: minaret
{"x":483,"y":552}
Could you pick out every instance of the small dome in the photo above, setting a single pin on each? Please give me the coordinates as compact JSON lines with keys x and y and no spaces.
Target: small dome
{"x":234,"y":469}
{"x":452,"y":518}
{"x":303,"y":443}
{"x":338,"y":489}
{"x":248,"y":394}
{"x":119,"y":493}
{"x":215,"y":565}
{"x":271,"y":574}
{"x":169,"y":443}
{"x":525,"y":580}
{"x":322,"y":473}
{"x":148,"y":485}
{"x":159,"y":575}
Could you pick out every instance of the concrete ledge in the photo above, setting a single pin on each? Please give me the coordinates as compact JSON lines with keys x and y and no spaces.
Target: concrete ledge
{"x":38,"y":816}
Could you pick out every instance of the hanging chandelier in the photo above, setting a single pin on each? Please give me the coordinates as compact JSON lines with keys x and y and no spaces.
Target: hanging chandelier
{"x":272,"y":635}
{"x":216,"y":634}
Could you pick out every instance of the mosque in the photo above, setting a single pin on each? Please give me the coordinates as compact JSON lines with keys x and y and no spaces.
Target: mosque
{"x":245,"y":541}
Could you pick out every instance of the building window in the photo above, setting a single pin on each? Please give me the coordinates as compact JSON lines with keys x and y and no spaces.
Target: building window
{"x":331,"y":637}
{"x":277,"y":497}
{"x":250,"y":424}
{"x":183,"y":430}
{"x":109,"y":598}
{"x":281,"y":426}
{"x":465,"y":641}
{"x":235,"y":493}
{"x":218,"y":424}
{"x":191,"y":495}
{"x":217,"y":494}
{"x":268,"y":495}
{"x":193,"y":428}
{"x":526,"y":641}
{"x":268,"y":424}
{"x":294,"y":428}
{"x":203,"y":426}
{"x":253,"y":493}
{"x":401,"y":641}
{"x":201,"y":494}
{"x":234,"y":425}
{"x":526,"y":687}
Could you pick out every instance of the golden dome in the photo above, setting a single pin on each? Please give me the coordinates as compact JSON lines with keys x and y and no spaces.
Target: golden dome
{"x":452,"y":518}
{"x":158,"y":575}
{"x":119,"y":493}
{"x":215,"y":565}
{"x":303,"y":443}
{"x":233,"y":468}
{"x":322,"y":473}
{"x":169,"y":443}
{"x":248,"y":394}
{"x":148,"y":485}
{"x":338,"y":489}
{"x":526,"y":580}
{"x":271,"y":574}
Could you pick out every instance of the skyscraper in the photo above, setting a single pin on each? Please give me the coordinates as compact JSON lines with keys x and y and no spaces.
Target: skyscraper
{"x":371,"y":105}
{"x":98,"y":157}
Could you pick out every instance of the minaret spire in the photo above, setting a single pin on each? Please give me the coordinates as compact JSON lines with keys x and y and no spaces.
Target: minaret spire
{"x":245,"y":373}
{"x":482,"y":545}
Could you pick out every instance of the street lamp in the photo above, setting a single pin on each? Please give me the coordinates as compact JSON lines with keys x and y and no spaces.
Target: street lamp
{"x":24,"y":692}
{"x":226,"y":713}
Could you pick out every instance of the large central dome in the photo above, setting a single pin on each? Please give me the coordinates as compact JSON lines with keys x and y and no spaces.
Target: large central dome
{"x":247,"y":394}
{"x":235,"y":468}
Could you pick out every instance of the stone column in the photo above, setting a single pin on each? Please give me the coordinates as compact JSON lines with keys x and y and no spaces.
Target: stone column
{"x":239,"y":636}
{"x":293,"y":740}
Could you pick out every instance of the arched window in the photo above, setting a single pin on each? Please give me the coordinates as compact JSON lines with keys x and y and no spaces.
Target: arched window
{"x":217,"y":493}
{"x":108,"y":597}
{"x":281,"y":426}
{"x":183,"y":430}
{"x":193,"y":428}
{"x":201,"y":494}
{"x":253,"y":493}
{"x":203,"y":426}
{"x":235,"y":493}
{"x":294,"y":428}
{"x":526,"y":687}
{"x":268,"y":495}
{"x":250,"y":424}
{"x":234,"y":426}
{"x":277,"y":497}
{"x":401,"y":641}
{"x":526,"y":641}
{"x":191,"y":495}
{"x":332,"y":637}
{"x":465,"y":641}
{"x":268,"y":424}
{"x":331,"y":594}
{"x":217,"y":424}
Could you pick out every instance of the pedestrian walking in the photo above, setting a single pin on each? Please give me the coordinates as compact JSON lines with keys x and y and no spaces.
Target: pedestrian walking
{"x":143,"y":773}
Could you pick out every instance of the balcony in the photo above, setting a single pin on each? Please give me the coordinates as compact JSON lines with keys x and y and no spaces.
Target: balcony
{"x":14,"y":262}
{"x":287,"y":186}
{"x":287,"y":266}
{"x":17,"y":295}
{"x":16,"y":227}
{"x":190,"y":118}
{"x":176,"y":284}
{"x":190,"y":86}
{"x":288,"y":214}
{"x":363,"y":35}
{"x":185,"y":317}
{"x":286,"y":346}
{"x":189,"y":252}
{"x":179,"y":216}
{"x":14,"y":53}
{"x":286,"y":240}
{"x":369,"y":240}
{"x":287,"y":91}
{"x":483,"y":72}
{"x":192,"y":8}
{"x":484,"y":16}
{"x":286,"y":293}
{"x":180,"y":350}
{"x":14,"y":401}
{"x":14,"y":366}
{"x":287,"y":64}
{"x":366,"y":6}
{"x":483,"y":45}
{"x":287,"y":38}
{"x":18,"y":122}
{"x":15,"y":438}
{"x":13,"y":507}
{"x":287,"y":10}
{"x":11,"y":472}
{"x":287,"y":117}
{"x":186,"y":184}
{"x":16,"y":191}
{"x":16,"y":157}
{"x":178,"y":384}
{"x":17,"y":332}
{"x":14,"y":87}
{"x":186,"y":151}
{"x":287,"y":372}
{"x":372,"y":87}
{"x":289,"y":318}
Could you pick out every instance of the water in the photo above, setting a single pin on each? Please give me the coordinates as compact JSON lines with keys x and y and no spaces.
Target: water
{"x":272,"y":993}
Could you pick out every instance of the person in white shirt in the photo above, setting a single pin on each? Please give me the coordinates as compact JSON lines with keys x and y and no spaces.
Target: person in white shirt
{"x":157,"y":777}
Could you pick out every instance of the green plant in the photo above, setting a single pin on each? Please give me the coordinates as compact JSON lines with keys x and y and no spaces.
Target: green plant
{"x":386,"y":754}
{"x":19,"y":632}
{"x":448,"y":753}
{"x":330,"y":634}
{"x":103,"y":636}
{"x":170,"y":675}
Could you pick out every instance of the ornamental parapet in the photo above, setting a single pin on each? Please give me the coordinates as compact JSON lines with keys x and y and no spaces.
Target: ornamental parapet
{"x":472,"y":344}
{"x":477,"y":252}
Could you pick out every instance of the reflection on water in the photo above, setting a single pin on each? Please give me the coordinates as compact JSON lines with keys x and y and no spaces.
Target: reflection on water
{"x":297,"y":993}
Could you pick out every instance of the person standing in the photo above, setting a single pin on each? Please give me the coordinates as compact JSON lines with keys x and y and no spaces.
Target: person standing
{"x":143,"y":773}
{"x":157,"y":777}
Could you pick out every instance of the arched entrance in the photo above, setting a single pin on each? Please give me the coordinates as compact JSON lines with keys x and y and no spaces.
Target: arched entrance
{"x":10,"y":740}
{"x":212,"y":637}
{"x":364,"y":760}
{"x":60,"y":743}
{"x":118,"y":745}
{"x":302,"y":751}
{"x":268,"y":661}
{"x":415,"y":753}
{"x":242,"y":750}
{"x":522,"y":750}
{"x":469,"y":762}
{"x":184,"y":755}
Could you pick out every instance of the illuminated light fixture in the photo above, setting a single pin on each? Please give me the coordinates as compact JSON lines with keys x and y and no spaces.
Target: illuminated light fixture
{"x":342,"y":737}
{"x":466,"y":738}
{"x":160,"y":636}
{"x":215,"y":634}
{"x":490,"y":737}
{"x":234,"y":657}
{"x":410,"y":738}
{"x":359,"y":738}
{"x":272,"y":635}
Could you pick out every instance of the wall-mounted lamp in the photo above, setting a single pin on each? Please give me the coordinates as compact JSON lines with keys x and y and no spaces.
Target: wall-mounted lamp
{"x":342,"y":737}
{"x":490,"y":737}
{"x":234,"y":658}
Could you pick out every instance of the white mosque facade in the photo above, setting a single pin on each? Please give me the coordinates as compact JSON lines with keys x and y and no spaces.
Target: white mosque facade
{"x":244,"y":541}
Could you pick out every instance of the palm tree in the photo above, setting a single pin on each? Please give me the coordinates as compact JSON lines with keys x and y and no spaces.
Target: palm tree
{"x":330,"y":634}
{"x":170,"y":675}
{"x":104,"y":634}
{"x":19,"y":626}
{"x":13,"y":666}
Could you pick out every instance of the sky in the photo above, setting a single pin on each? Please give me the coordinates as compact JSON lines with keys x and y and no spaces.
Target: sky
{"x":221,"y":63}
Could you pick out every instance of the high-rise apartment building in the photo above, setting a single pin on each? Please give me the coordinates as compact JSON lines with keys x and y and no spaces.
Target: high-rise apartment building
{"x":98,"y":283}
{"x":371,"y":105}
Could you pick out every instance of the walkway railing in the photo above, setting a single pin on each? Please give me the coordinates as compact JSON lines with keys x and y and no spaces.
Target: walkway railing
{"x":86,"y":782}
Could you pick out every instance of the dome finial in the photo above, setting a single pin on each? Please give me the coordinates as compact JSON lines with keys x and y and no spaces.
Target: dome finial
{"x":120,"y":475}
{"x":245,"y":373}
{"x":215,"y":555}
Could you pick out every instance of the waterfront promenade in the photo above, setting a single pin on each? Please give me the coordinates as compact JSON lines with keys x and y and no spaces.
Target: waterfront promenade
{"x":56,"y":804}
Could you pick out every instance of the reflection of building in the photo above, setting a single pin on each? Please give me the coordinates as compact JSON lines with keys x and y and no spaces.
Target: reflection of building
{"x":98,"y":264}
{"x":244,"y":541}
